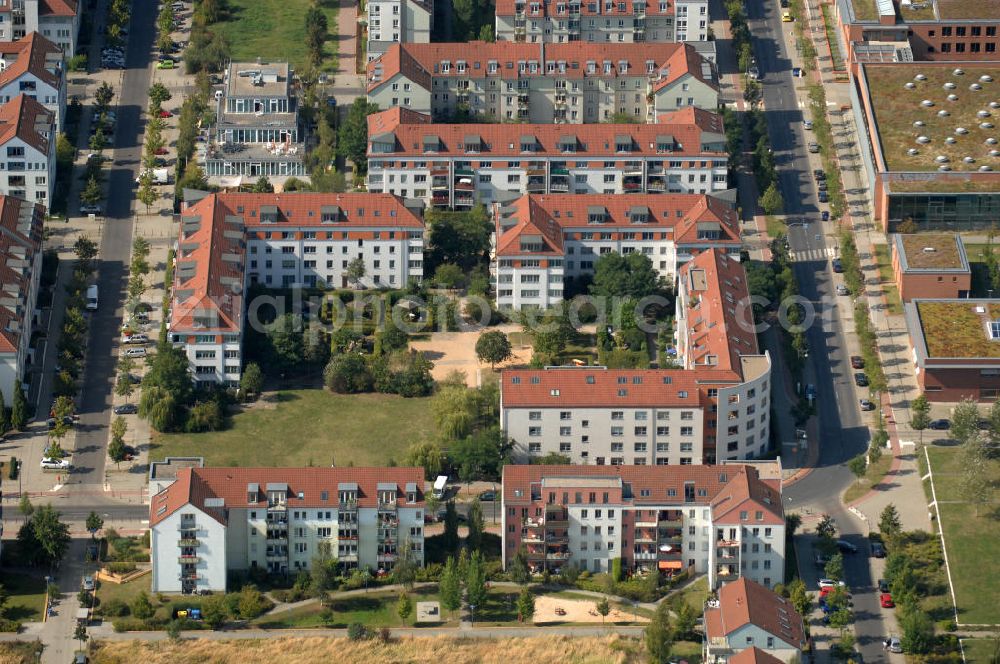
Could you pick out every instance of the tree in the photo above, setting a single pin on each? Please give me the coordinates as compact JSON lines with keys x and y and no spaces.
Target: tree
{"x":427,"y":455}
{"x":123,"y":385}
{"x":631,"y":275}
{"x":263,"y":186}
{"x":450,"y":586}
{"x":457,"y":238}
{"x":117,"y":450}
{"x":98,"y":141}
{"x":449,"y":539}
{"x":918,"y":632}
{"x":835,"y":568}
{"x":494,"y":347}
{"x":449,"y":275}
{"x":603,"y":607}
{"x":858,"y":466}
{"x":94,"y":523}
{"x":771,"y":200}
{"x":889,"y":524}
{"x":316,"y":33}
{"x":352,"y":137}
{"x":826,"y":529}
{"x":252,"y":602}
{"x":404,"y":606}
{"x":213,"y":611}
{"x":481,"y":455}
{"x":19,"y":409}
{"x":518,"y":568}
{"x":25,"y":506}
{"x":252,"y":380}
{"x":799,"y":597}
{"x":356,"y":271}
{"x":50,"y":534}
{"x":659,"y":636}
{"x":158,"y":93}
{"x":147,"y":194}
{"x":474,"y":540}
{"x":525,"y":605}
{"x":141,"y":607}
{"x":347,"y":374}
{"x":193,"y":177}
{"x":103,"y":96}
{"x":86,"y":251}
{"x":920,"y":417}
{"x":91,"y":193}
{"x":685,"y":618}
{"x":475,"y":581}
{"x":965,"y":421}
{"x":80,"y":633}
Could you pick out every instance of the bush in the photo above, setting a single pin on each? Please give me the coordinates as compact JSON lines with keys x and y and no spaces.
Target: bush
{"x":120,"y":567}
{"x":357,"y":632}
{"x":114,"y":608}
{"x":9,"y":625}
{"x":129,"y":625}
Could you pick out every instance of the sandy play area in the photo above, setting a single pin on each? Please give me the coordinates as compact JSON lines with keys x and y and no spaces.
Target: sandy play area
{"x":577,"y":611}
{"x":456,"y":351}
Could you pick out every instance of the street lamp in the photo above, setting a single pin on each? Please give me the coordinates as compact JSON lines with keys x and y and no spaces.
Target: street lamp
{"x":472,"y":609}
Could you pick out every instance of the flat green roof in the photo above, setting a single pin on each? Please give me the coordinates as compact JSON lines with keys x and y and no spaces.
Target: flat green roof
{"x":958,"y":328}
{"x":968,"y":9}
{"x":933,"y":251}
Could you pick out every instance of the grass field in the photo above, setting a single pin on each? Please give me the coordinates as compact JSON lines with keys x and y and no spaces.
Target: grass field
{"x":885,"y":277}
{"x":19,"y":652}
{"x":876,"y":473}
{"x":979,"y":651}
{"x":275,"y":30}
{"x":970,"y":541}
{"x":611,"y":649}
{"x":375,"y":609}
{"x":27,"y":596}
{"x":311,"y":427}
{"x":696,"y":594}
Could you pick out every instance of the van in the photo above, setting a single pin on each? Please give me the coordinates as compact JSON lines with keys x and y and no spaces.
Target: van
{"x":440,"y":485}
{"x":92,"y":298}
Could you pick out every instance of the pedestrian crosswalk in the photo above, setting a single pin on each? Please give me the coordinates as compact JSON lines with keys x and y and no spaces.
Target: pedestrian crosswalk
{"x":813,"y":254}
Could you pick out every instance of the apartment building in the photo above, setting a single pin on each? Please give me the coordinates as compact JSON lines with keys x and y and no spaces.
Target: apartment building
{"x":455,"y":166}
{"x":20,"y":272}
{"x":257,"y":129}
{"x":34,"y":66}
{"x":715,"y":408}
{"x":398,"y":22}
{"x":56,"y":20}
{"x":211,"y":521}
{"x":750,"y":616}
{"x":543,"y":243}
{"x":27,"y":150}
{"x":723,"y":521}
{"x":536,"y":21}
{"x":231,"y":241}
{"x":543,"y":83}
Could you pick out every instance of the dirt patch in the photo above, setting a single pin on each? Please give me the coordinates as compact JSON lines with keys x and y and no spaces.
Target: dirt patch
{"x":577,"y":611}
{"x":456,"y":351}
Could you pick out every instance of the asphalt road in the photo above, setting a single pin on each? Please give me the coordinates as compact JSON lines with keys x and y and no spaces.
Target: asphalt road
{"x":842,"y":433}
{"x":102,"y":351}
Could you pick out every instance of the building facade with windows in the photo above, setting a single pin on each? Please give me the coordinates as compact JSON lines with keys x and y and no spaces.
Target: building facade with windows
{"x":230,"y":242}
{"x":257,"y":131}
{"x":543,"y":83}
{"x":27,"y":150}
{"x":398,"y":22}
{"x":930,"y":265}
{"x":536,"y":21}
{"x":20,"y":271}
{"x":749,"y":615}
{"x":56,"y":20}
{"x":211,"y":521}
{"x":455,"y":166}
{"x":722,"y":521}
{"x":33,"y":66}
{"x":543,"y":243}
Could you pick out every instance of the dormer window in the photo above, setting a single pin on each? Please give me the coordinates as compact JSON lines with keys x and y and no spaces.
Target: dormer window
{"x":445,"y":66}
{"x":461,"y":66}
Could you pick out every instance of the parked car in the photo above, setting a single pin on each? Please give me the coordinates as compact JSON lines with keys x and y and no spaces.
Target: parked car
{"x":88,"y":583}
{"x":939,"y":425}
{"x":894,"y":644}
{"x":819,"y":174}
{"x":786,"y":17}
{"x":824,"y":215}
{"x":813,"y":147}
{"x":162,"y":151}
{"x":878,"y":550}
{"x":885,"y":599}
{"x":838,"y":267}
{"x":843,"y":290}
{"x":846,"y":547}
{"x":487,"y":496}
{"x":866,"y":405}
{"x":807,"y":124}
{"x":55,"y":464}
{"x":87,"y":208}
{"x":860,"y":379}
{"x":164,"y":113}
{"x":135,"y":351}
{"x":822,"y":185}
{"x":883,"y":586}
{"x":165,"y":64}
{"x":126,"y":409}
{"x":824,"y":197}
{"x":857,"y":362}
{"x":823,"y":583}
{"x":135,"y":339}
{"x":67,"y":420}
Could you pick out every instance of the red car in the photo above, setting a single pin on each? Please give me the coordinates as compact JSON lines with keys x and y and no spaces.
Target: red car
{"x":886,"y":601}
{"x":166,"y":114}
{"x":162,"y":151}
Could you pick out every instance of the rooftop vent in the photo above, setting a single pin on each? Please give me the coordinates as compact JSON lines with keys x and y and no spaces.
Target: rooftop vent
{"x":920,"y":77}
{"x":975,"y":87}
{"x":980,"y":309}
{"x":985,"y":78}
{"x":927,"y":102}
{"x":958,"y":72}
{"x":929,"y":250}
{"x":950,"y":86}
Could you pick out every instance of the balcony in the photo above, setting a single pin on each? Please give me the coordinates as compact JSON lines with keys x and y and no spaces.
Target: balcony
{"x":273,"y":556}
{"x":535,"y":185}
{"x":190,"y":576}
{"x":465,"y":186}
{"x":645,"y":555}
{"x":465,"y":201}
{"x":348,"y":506}
{"x":559,"y":186}
{"x":464,"y":172}
{"x":532,"y":538}
{"x":644,"y":536}
{"x":722,"y":543}
{"x":387,"y":557}
{"x":556,"y":517}
{"x":188,"y":541}
{"x":188,"y":560}
{"x":384,"y":508}
{"x":558,"y":555}
{"x":645,"y":524}
{"x":632,"y":187}
{"x":438,"y":184}
{"x":348,"y":556}
{"x":529,"y":522}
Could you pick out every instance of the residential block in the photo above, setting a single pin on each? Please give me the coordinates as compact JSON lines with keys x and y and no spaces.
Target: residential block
{"x":27,"y":150}
{"x":56,"y":20}
{"x":20,"y":272}
{"x":750,"y":623}
{"x":398,"y":22}
{"x":34,"y":66}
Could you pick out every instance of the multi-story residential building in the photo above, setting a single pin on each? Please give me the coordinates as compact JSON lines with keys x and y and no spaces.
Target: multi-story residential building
{"x":716,"y":408}
{"x":34,"y":66}
{"x":749,"y":615}
{"x":630,"y":21}
{"x":458,"y":165}
{"x":27,"y":150}
{"x":229,"y":242}
{"x":20,"y":271}
{"x":930,"y":265}
{"x":56,"y":20}
{"x":543,"y":83}
{"x":214,"y":520}
{"x":706,"y":519}
{"x":542,"y":244}
{"x":257,"y":129}
{"x":398,"y":22}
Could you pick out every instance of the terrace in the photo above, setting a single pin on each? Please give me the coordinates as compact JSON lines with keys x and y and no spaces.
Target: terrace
{"x":937,"y":118}
{"x":865,"y":10}
{"x":958,"y":328}
{"x":945,"y":254}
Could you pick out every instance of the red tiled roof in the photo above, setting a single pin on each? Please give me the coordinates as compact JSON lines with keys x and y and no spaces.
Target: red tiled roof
{"x":26,"y":119}
{"x":722,"y":328}
{"x":686,"y":129}
{"x":195,"y":485}
{"x":554,"y":214}
{"x":20,"y":241}
{"x":743,"y":602}
{"x":29,"y":55}
{"x":546,"y":8}
{"x":420,"y":62}
{"x":57,"y":8}
{"x":745,"y":495}
{"x":753,"y":655}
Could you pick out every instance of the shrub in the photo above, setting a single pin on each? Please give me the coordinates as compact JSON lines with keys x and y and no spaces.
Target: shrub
{"x":114,"y":608}
{"x":357,"y":632}
{"x":120,"y":567}
{"x":9,"y":625}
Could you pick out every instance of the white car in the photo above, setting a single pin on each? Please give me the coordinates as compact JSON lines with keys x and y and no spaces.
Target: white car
{"x":136,"y":339}
{"x":829,"y":583}
{"x":55,"y":464}
{"x":808,"y":124}
{"x":895,"y":645}
{"x":135,"y":351}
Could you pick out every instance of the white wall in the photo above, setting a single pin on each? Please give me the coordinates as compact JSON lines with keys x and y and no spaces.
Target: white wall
{"x":164,"y":552}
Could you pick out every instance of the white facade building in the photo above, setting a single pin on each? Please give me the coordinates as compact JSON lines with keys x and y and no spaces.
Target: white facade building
{"x":33,"y":66}
{"x":211,"y":521}
{"x":398,"y":22}
{"x":20,"y":274}
{"x":27,"y":150}
{"x":56,"y":20}
{"x":459,"y":165}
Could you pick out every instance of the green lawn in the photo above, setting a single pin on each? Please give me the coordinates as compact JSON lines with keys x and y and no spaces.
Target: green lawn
{"x":27,"y":596}
{"x":775,"y":227}
{"x":275,"y":31}
{"x":876,"y":473}
{"x":375,"y":609}
{"x":311,"y":427}
{"x":830,"y":24}
{"x":886,"y":279}
{"x":696,"y":594}
{"x":971,"y":541}
{"x":979,"y":651}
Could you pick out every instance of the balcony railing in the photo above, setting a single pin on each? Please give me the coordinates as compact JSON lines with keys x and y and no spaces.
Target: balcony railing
{"x":190,"y":576}
{"x":188,"y":541}
{"x":387,"y":507}
{"x":188,"y":560}
{"x":348,"y":505}
{"x":387,"y":557}
{"x":559,"y":186}
{"x":558,"y":555}
{"x":726,"y":543}
{"x":645,"y":555}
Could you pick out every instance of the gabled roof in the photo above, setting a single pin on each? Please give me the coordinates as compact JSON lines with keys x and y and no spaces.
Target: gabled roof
{"x":744,"y":602}
{"x":34,"y":54}
{"x":687,"y":132}
{"x":196,"y":486}
{"x":587,"y":8}
{"x":20,"y":241}
{"x":63,"y":8}
{"x":756,"y":499}
{"x":25,"y":118}
{"x":753,"y":655}
{"x":681,"y":63}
